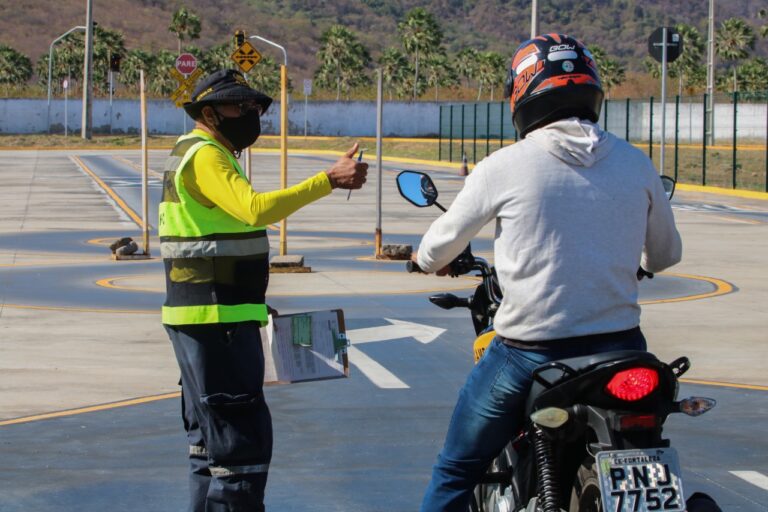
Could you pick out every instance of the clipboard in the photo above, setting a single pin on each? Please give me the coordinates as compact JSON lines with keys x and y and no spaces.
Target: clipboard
{"x":303,"y":347}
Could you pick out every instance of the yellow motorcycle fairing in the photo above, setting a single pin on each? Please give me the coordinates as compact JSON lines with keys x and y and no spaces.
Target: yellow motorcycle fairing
{"x":481,"y":343}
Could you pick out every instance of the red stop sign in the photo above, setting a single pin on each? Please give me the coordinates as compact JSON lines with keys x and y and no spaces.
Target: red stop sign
{"x":186,"y":63}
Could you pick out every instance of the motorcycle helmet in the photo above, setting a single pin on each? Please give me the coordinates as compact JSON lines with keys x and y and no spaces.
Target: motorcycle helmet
{"x":552,"y":77}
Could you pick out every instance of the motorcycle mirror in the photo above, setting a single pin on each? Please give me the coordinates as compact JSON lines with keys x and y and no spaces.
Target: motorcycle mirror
{"x":669,"y":186}
{"x":417,"y":188}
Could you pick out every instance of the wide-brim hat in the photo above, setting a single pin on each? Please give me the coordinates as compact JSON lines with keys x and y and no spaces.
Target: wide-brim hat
{"x":224,"y":86}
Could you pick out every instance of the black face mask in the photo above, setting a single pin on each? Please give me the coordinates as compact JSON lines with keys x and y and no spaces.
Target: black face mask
{"x":241,"y":131}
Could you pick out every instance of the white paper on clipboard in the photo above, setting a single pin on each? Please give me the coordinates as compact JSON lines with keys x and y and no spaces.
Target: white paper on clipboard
{"x":286,"y":361}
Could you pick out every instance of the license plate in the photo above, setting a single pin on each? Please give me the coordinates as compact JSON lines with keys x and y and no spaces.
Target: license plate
{"x":640,"y":480}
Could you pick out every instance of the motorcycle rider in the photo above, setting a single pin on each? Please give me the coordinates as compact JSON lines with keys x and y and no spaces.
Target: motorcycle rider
{"x":576,"y":211}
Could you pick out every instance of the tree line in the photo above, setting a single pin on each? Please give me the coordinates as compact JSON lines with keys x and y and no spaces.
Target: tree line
{"x":419,"y":66}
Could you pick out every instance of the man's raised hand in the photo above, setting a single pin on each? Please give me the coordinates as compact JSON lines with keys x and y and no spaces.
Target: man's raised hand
{"x":348,"y":173}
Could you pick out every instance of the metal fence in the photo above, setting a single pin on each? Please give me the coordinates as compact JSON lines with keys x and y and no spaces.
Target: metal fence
{"x":733,"y":155}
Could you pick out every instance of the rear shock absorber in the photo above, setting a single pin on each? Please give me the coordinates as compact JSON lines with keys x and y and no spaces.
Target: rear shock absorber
{"x":547,"y":470}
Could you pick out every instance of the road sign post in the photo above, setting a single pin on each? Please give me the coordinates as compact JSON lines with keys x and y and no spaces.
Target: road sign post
{"x":246,"y":56}
{"x":664,"y":45}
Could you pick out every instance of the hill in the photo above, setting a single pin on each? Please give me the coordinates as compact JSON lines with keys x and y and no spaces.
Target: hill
{"x":621,"y":27}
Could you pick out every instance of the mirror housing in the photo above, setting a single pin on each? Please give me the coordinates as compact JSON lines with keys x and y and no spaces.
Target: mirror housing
{"x":417,"y":188}
{"x":669,"y":186}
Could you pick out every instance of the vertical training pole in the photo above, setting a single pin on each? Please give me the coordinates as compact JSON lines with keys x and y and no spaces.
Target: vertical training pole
{"x":766,"y":147}
{"x":474,"y":134}
{"x":677,"y":132}
{"x":283,"y":151}
{"x":663,"y":98}
{"x":379,"y":149}
{"x":87,"y":121}
{"x":144,"y":164}
{"x":733,"y":164}
{"x":462,"y":131}
{"x":450,"y":135}
{"x":704,"y":144}
{"x":605,"y":115}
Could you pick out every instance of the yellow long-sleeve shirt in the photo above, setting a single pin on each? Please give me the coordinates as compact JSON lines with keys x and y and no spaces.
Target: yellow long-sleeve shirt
{"x":212,"y":181}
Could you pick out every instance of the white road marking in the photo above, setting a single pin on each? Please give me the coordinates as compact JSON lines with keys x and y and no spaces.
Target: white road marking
{"x":753,"y":477}
{"x":397,"y":330}
{"x":379,"y":375}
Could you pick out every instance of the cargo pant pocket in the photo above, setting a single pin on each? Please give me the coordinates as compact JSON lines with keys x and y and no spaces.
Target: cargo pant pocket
{"x":237,"y":430}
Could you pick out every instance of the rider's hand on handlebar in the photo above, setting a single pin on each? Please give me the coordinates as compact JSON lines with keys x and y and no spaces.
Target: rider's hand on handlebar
{"x":442,"y":272}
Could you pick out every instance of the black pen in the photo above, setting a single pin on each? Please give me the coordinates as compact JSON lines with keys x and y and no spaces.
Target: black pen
{"x":359,"y":159}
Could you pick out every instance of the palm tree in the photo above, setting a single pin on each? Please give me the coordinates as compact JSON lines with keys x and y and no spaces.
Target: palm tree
{"x":689,"y":65}
{"x":733,"y":40}
{"x":265,"y":76}
{"x":466,"y":64}
{"x":394,"y":69}
{"x":134,"y":61}
{"x":762,"y":14}
{"x":611,"y":72}
{"x":754,"y":75}
{"x":15,"y":67}
{"x":491,"y":70}
{"x":185,"y":24}
{"x":439,"y":72}
{"x":343,"y":60}
{"x":420,"y":34}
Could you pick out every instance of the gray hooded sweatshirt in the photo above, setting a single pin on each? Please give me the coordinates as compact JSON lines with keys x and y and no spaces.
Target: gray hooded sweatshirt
{"x":577,"y":210}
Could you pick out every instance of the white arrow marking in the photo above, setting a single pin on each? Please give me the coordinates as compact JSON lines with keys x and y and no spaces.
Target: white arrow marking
{"x":752,"y":477}
{"x":379,"y":375}
{"x":399,"y":329}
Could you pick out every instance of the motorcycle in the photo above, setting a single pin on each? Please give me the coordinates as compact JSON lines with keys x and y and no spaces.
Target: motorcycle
{"x":592,"y":439}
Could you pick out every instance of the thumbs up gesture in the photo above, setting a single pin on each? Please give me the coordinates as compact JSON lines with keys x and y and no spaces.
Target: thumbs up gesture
{"x":348,"y":173}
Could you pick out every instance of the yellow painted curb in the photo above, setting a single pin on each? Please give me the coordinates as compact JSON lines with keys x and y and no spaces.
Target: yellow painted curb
{"x":747,"y":194}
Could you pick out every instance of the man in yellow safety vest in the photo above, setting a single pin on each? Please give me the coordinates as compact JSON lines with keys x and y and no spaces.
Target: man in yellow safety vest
{"x":215,"y":250}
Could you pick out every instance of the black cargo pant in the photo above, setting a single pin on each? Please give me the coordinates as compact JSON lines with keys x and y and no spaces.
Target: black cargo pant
{"x":228,"y":424}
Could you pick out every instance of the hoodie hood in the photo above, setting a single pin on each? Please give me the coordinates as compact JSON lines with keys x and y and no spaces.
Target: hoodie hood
{"x":574,"y":141}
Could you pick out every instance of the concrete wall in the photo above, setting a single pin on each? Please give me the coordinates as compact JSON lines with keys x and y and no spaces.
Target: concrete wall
{"x":401,"y":119}
{"x":331,"y":118}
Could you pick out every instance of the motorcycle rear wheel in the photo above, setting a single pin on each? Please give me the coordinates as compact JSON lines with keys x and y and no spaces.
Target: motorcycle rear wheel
{"x":585,"y":494}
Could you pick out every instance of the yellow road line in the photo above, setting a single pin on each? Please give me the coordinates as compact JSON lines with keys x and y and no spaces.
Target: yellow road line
{"x":94,"y":408}
{"x":127,"y":209}
{"x":84,"y":310}
{"x":724,"y":384}
{"x":166,"y":396}
{"x":721,"y":288}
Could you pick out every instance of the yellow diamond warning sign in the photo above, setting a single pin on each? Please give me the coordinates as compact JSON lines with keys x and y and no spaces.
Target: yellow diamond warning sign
{"x":246,"y":56}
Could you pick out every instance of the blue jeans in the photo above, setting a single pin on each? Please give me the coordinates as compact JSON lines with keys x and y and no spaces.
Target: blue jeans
{"x":490,"y":409}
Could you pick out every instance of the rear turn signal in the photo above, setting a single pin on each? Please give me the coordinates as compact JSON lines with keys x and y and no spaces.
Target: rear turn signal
{"x":633,"y":384}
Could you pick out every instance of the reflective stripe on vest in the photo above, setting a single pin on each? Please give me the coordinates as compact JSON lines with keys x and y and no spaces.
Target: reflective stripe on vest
{"x":216,"y":266}
{"x":214,"y":314}
{"x":209,"y":248}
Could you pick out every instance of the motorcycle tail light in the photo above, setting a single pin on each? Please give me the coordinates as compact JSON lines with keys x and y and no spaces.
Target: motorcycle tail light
{"x":633,"y":384}
{"x":637,"y":422}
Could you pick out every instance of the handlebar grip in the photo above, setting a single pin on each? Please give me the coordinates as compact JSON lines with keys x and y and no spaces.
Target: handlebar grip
{"x":641,"y":273}
{"x":412,"y":266}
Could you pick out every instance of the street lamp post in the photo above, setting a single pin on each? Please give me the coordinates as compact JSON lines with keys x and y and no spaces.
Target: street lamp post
{"x":283,"y":135}
{"x":86,"y":130}
{"x":50,"y":68}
